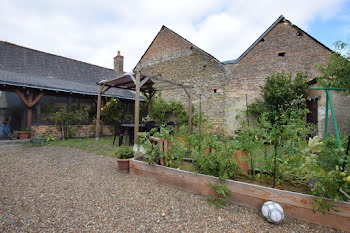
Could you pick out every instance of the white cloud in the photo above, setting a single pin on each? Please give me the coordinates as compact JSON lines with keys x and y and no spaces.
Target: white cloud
{"x":93,"y":31}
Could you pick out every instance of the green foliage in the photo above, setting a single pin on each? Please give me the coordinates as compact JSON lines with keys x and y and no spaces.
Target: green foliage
{"x":124,"y":152}
{"x":64,"y":120}
{"x":42,"y":140}
{"x":218,"y":164}
{"x":280,"y":92}
{"x":337,"y":71}
{"x":162,"y":111}
{"x":331,"y":156}
{"x":114,"y":110}
{"x":222,"y":193}
{"x":152,"y":151}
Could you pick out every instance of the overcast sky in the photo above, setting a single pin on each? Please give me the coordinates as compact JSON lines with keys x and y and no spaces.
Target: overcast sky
{"x":93,"y":31}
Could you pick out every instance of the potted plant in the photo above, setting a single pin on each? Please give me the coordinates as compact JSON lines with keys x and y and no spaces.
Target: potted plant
{"x":124,"y":154}
{"x":24,"y":133}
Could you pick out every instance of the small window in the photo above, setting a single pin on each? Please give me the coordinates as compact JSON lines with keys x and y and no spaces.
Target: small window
{"x":299,"y":33}
{"x":262,"y":40}
{"x":281,"y":54}
{"x":215,"y":90}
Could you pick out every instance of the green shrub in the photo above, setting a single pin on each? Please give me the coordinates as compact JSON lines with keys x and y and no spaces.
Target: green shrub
{"x":162,"y":111}
{"x":124,"y":152}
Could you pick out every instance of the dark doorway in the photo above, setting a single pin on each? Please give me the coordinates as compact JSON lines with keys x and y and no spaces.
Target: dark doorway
{"x":312,"y":116}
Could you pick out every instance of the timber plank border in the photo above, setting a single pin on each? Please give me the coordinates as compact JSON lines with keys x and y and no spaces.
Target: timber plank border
{"x":296,"y":205}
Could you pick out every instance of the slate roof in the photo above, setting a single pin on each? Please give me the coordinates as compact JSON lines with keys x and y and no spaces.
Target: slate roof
{"x":280,"y":19}
{"x":22,"y":66}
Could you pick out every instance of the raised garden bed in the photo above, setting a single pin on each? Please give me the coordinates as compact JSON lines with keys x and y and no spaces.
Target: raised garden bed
{"x":295,"y":205}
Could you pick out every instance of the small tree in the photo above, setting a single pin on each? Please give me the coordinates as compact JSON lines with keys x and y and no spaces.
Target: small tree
{"x":280,"y":92}
{"x":64,"y":120}
{"x":337,"y":71}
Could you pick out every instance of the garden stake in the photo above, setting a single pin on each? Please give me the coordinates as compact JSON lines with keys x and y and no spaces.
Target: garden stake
{"x":200,"y":121}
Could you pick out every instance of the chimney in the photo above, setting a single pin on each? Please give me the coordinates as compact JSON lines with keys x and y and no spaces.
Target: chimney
{"x":118,"y":63}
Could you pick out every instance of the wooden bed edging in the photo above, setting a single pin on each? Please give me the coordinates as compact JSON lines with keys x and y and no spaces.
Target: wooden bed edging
{"x":295,"y":205}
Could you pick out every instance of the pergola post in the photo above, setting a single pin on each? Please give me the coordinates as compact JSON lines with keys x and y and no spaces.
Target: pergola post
{"x":190,"y":110}
{"x":137,"y":108}
{"x":97,"y":133}
{"x":102,"y":117}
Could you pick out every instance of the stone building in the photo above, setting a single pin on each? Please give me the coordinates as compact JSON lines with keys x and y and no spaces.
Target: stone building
{"x":224,"y":85}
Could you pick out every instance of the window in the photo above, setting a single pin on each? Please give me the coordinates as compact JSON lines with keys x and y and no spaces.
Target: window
{"x":281,"y":54}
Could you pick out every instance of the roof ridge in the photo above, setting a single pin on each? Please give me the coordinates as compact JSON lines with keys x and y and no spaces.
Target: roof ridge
{"x":51,"y":54}
{"x":280,"y":19}
{"x":190,"y":42}
{"x":187,"y":41}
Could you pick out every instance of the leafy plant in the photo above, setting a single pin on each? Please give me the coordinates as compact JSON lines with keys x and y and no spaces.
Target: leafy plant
{"x":114,"y":110}
{"x":337,"y":71}
{"x":162,"y":111}
{"x":280,"y":92}
{"x":64,"y":120}
{"x":222,"y":193}
{"x":124,"y":152}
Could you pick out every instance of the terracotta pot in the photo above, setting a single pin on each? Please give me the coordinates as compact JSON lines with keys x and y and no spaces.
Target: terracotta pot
{"x":241,"y":159}
{"x":123,"y":165}
{"x":23,"y":134}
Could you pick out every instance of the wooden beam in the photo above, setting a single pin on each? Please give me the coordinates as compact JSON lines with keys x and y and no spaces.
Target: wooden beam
{"x":29,"y":104}
{"x":133,"y":78}
{"x":144,"y":81}
{"x":190,"y":110}
{"x":97,"y":132}
{"x":137,"y":108}
{"x":20,"y":94}
{"x":102,"y":117}
{"x":29,"y":110}
{"x":104,"y":91}
{"x":37,"y":98}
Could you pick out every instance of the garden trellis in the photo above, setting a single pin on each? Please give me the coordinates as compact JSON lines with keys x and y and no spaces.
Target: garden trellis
{"x":329,"y":102}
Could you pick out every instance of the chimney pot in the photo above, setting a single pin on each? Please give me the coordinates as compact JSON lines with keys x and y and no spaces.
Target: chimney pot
{"x":118,"y":64}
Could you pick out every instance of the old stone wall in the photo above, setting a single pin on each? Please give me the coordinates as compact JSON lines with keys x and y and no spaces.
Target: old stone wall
{"x":301,"y":53}
{"x":223,"y":88}
{"x":204,"y":74}
{"x":78,"y":131}
{"x":174,"y":58}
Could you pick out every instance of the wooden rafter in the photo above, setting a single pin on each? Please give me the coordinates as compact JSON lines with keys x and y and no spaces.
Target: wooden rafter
{"x":29,"y":102}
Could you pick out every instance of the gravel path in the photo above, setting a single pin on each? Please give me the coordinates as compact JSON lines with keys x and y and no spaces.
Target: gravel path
{"x":48,"y":189}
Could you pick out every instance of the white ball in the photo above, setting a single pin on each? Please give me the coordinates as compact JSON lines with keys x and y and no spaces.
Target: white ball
{"x":272,"y":212}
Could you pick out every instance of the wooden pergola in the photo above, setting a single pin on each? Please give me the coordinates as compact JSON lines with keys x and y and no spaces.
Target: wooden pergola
{"x":140,"y":82}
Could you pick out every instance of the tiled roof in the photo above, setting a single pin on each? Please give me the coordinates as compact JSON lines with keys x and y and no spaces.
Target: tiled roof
{"x":27,"y":67}
{"x":51,"y":84}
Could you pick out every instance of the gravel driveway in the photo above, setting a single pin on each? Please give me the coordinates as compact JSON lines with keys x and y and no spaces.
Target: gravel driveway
{"x":46,"y":189}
